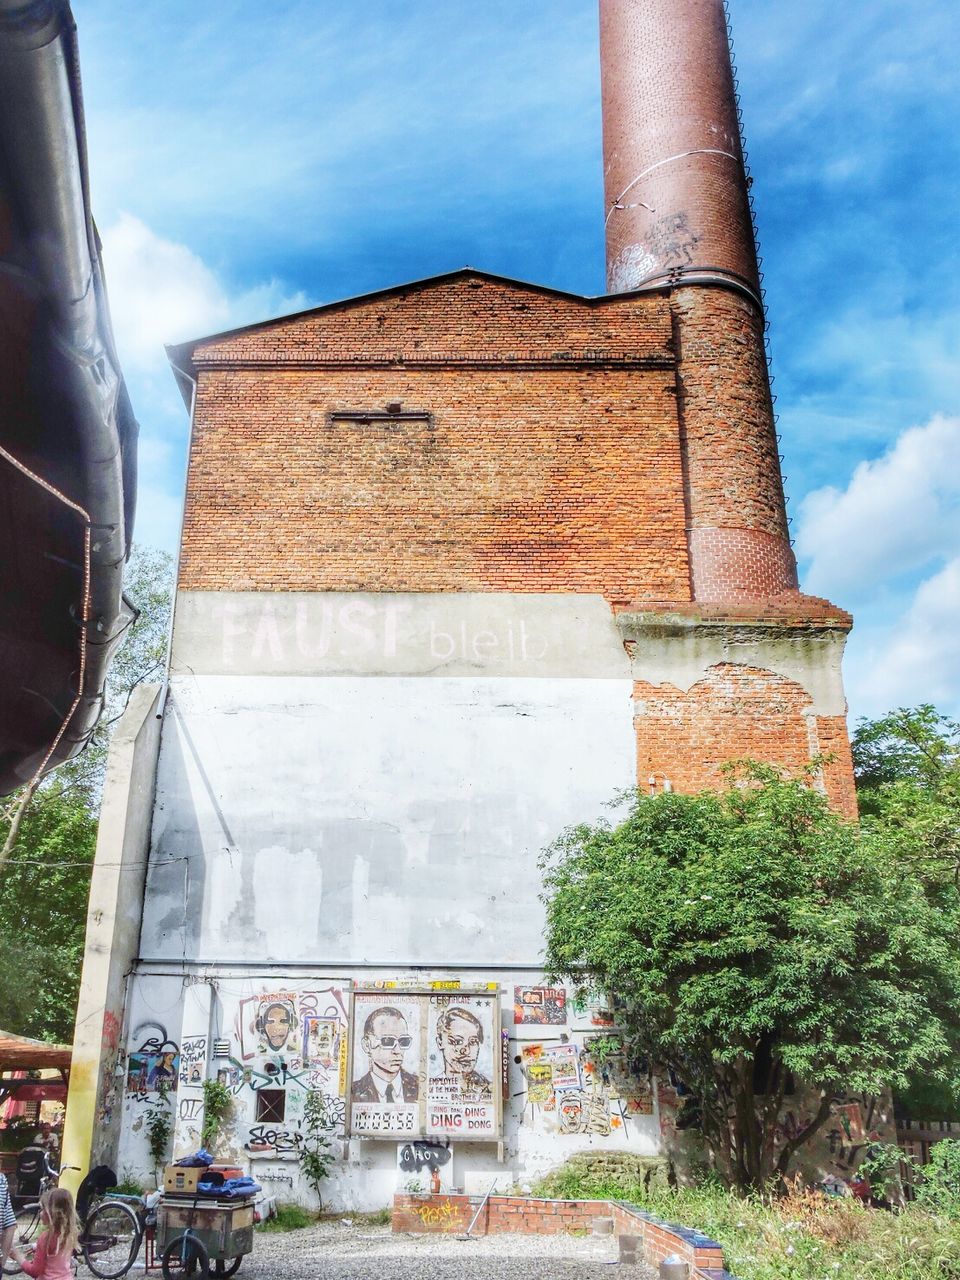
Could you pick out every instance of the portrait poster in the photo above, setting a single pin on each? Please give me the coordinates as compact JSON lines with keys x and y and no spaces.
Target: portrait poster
{"x":321,"y":1041}
{"x":463,"y":1066}
{"x":540,"y":1006}
{"x":425,"y":1063}
{"x":270,"y":1024}
{"x":386,"y":1077}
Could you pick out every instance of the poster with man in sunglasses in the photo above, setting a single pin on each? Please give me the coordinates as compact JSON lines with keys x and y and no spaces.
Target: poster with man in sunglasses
{"x":384,"y":1098}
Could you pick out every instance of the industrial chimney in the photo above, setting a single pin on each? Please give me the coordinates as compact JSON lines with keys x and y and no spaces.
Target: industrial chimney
{"x":678,"y":217}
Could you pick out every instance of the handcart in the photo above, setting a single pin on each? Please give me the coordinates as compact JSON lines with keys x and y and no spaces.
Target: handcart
{"x":197,"y":1238}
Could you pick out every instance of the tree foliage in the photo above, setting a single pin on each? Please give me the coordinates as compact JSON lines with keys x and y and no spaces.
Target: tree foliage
{"x":751,"y":935}
{"x":907,"y":766}
{"x":45,"y":882}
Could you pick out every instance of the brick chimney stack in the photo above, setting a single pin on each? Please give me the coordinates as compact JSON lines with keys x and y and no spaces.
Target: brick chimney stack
{"x":678,"y":216}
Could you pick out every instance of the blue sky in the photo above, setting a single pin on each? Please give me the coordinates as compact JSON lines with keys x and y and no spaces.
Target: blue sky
{"x":249,"y":160}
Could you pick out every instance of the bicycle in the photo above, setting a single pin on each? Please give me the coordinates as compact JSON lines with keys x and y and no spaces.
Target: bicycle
{"x":110,"y":1231}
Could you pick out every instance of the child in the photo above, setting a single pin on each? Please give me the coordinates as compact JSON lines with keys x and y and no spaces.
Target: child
{"x":54,"y":1249}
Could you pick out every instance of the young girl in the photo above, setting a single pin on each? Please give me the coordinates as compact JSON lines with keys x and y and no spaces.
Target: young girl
{"x":54,"y":1249}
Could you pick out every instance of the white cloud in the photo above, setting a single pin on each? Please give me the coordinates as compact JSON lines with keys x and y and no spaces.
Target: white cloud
{"x":899,"y":513}
{"x":913,"y":659}
{"x":160,"y":292}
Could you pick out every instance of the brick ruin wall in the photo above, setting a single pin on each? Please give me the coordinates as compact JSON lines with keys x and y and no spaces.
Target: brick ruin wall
{"x":733,"y":712}
{"x":572,"y":446}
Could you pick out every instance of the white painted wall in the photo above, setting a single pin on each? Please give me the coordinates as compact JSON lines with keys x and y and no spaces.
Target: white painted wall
{"x":359,"y":787}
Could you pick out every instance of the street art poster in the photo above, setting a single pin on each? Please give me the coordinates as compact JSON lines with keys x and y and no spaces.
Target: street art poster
{"x":321,"y":1041}
{"x":148,"y":1072}
{"x":463,"y":1063}
{"x":591,"y":1010}
{"x":539,"y":1083}
{"x":580,"y":1112}
{"x":385,"y":1093}
{"x":270,"y":1024}
{"x":426,"y":1064}
{"x":539,"y":1006}
{"x":564,"y":1060}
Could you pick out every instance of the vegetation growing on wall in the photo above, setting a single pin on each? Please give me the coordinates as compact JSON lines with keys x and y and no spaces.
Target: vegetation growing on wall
{"x":217,"y":1105}
{"x":316,"y":1155}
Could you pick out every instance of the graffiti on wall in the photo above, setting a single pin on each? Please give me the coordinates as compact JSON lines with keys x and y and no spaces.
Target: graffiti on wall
{"x":292,"y":1043}
{"x":572,"y":1088}
{"x":425,"y":1166}
{"x":193,"y":1060}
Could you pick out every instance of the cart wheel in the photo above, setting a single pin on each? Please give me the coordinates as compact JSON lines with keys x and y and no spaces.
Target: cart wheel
{"x":185,"y":1257}
{"x":226,"y":1266}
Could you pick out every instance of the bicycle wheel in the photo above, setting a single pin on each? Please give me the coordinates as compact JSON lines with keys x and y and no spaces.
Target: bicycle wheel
{"x":110,"y":1239}
{"x":223,"y":1267}
{"x":27,"y":1230}
{"x":185,"y":1257}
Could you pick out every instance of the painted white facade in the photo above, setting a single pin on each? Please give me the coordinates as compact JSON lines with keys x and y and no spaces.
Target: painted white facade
{"x":355,"y":790}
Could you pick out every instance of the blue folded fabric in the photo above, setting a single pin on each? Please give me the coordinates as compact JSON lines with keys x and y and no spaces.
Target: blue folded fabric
{"x":231,"y":1189}
{"x":199,"y":1160}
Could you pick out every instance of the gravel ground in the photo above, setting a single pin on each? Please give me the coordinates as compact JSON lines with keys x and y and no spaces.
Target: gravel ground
{"x":338,"y":1250}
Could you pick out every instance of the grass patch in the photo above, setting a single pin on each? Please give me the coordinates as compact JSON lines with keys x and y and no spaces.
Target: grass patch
{"x":804,"y":1236}
{"x":289,"y":1217}
{"x":378,"y":1218}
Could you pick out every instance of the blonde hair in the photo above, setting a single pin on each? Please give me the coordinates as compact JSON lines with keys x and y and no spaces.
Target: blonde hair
{"x":64,"y":1227}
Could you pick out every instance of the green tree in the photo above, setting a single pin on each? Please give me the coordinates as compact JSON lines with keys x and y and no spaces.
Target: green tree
{"x":752,"y":935}
{"x":907,"y":766}
{"x":43,"y":905}
{"x":45,"y":879}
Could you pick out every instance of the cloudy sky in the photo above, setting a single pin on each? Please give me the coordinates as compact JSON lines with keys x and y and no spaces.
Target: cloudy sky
{"x":252,"y":159}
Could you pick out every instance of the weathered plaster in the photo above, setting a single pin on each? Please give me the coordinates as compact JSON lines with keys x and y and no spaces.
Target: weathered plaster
{"x":350,"y":819}
{"x":679,"y":651}
{"x":418,"y":633}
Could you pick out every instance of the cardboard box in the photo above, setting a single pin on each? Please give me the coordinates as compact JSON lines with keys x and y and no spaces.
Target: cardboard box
{"x":180,"y":1181}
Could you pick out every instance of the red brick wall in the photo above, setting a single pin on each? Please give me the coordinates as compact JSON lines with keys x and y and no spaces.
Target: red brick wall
{"x":656,"y":1240}
{"x":557,"y":458}
{"x":732,"y":713}
{"x":552,"y":462}
{"x":738,"y":525}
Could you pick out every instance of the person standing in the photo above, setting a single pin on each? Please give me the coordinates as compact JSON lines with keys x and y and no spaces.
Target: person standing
{"x":8,"y":1221}
{"x":54,"y":1249}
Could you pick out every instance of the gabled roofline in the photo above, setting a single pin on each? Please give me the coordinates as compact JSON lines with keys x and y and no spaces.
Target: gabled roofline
{"x":180,"y":354}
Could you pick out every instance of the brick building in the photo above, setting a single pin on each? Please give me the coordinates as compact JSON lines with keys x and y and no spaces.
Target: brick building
{"x":460,"y":559}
